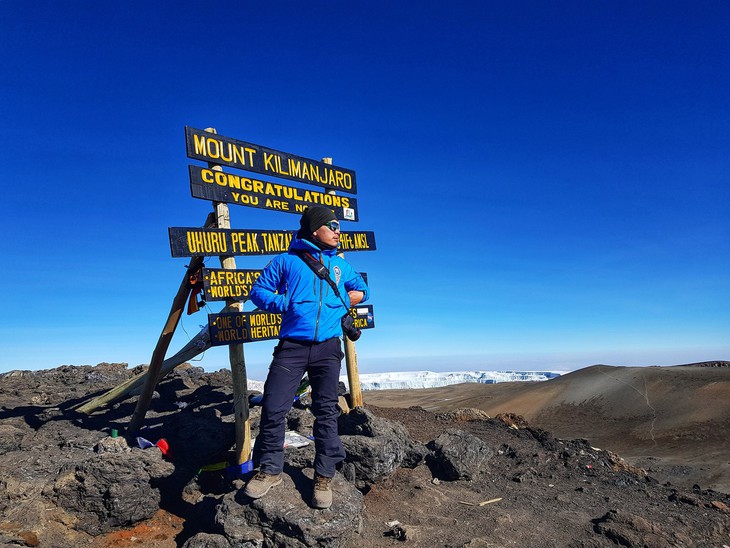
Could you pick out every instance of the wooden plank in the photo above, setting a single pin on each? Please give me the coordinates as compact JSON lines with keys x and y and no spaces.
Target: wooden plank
{"x":195,"y":241}
{"x":219,"y":186}
{"x":220,"y":284}
{"x":235,"y":351}
{"x":202,"y":145}
{"x":247,"y":327}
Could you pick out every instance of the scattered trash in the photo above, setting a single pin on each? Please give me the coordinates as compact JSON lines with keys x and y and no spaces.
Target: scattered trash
{"x":396,"y":530}
{"x":164,"y":447}
{"x":237,"y":470}
{"x":114,"y":433}
{"x":215,"y":467}
{"x":161,"y":444}
{"x":291,"y":439}
{"x":435,"y":481}
{"x":483,"y":503}
{"x":233,"y":471}
{"x":295,"y":439}
{"x":143,"y":443}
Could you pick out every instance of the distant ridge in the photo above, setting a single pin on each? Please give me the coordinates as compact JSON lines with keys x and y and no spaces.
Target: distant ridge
{"x":706,"y":364}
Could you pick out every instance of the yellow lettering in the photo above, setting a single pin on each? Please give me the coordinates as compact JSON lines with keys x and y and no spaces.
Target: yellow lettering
{"x":251,"y":152}
{"x":237,"y":242}
{"x":251,"y":244}
{"x":199,"y":141}
{"x":276,"y":204}
{"x":295,"y":168}
{"x":212,"y":152}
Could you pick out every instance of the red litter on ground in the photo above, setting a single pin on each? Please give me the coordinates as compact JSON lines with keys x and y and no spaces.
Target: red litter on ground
{"x":164,"y":447}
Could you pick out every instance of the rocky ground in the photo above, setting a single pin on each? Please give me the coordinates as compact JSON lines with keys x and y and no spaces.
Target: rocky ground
{"x":412,"y":477}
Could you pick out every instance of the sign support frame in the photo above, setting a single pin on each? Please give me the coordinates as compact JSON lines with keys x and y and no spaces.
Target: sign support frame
{"x":163,"y":343}
{"x":235,"y":351}
{"x":353,"y":375}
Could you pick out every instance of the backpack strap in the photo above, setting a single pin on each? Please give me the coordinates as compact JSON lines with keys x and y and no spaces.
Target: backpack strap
{"x":321,"y":272}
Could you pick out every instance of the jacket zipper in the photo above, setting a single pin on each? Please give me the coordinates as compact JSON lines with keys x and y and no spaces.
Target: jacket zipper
{"x":319,"y":308}
{"x":319,"y":311}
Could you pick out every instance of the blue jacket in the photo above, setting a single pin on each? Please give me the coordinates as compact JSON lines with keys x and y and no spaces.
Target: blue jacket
{"x":310,"y":309}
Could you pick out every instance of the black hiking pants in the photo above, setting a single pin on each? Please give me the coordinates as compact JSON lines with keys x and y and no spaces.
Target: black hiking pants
{"x":321,"y":361}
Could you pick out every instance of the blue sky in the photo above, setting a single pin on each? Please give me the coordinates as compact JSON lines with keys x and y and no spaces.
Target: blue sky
{"x":547,"y":182}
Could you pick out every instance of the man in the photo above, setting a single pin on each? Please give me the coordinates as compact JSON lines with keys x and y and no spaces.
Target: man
{"x":309,"y":342}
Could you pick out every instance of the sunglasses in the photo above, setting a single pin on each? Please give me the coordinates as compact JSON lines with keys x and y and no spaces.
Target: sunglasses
{"x":332,"y":225}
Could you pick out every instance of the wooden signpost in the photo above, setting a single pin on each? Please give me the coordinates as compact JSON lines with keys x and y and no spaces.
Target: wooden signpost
{"x":197,"y":242}
{"x":246,"y":327}
{"x":232,"y":326}
{"x":217,"y":149}
{"x":207,"y":184}
{"x":220,"y":284}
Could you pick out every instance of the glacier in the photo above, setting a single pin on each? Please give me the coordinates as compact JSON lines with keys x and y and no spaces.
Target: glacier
{"x":432,"y":379}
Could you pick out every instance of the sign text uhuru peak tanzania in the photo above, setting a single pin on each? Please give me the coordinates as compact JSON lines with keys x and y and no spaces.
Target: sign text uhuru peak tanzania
{"x":217,"y":149}
{"x":191,"y":242}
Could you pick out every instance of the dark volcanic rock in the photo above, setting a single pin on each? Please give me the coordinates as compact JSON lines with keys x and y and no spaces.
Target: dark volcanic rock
{"x":64,"y":480}
{"x":111,"y":489}
{"x":284,"y":516}
{"x":626,"y":529}
{"x":375,"y":447}
{"x":207,"y":540}
{"x":458,"y":455}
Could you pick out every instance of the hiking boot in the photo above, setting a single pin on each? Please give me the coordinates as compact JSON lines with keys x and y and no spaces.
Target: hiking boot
{"x":322,"y":494}
{"x":260,"y":484}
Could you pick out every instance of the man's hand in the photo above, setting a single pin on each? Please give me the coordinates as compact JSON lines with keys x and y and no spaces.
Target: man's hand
{"x":355,"y":297}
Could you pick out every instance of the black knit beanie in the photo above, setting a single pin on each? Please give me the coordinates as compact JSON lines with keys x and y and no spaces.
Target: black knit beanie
{"x":313,"y":218}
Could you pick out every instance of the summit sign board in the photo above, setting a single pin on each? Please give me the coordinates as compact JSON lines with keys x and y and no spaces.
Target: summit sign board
{"x":219,"y":186}
{"x":196,"y":242}
{"x":216,"y":149}
{"x":246,"y":327}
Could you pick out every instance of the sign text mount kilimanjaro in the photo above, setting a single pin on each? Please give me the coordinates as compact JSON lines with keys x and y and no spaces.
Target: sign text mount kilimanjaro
{"x":210,"y":147}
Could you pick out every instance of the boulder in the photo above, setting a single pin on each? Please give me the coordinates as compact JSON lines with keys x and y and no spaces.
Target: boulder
{"x":375,"y":447}
{"x":627,"y":529}
{"x":458,"y":455}
{"x":284,"y":516}
{"x":207,"y":540}
{"x":111,"y":489}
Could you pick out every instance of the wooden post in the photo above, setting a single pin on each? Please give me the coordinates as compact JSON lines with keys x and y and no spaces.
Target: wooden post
{"x":353,"y":376}
{"x":158,"y":355}
{"x":235,"y":351}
